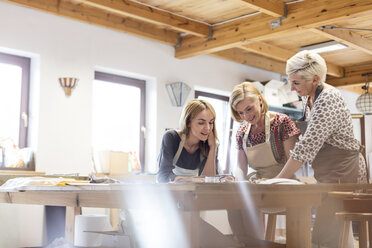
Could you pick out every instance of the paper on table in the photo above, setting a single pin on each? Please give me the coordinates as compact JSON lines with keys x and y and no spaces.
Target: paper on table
{"x":280,"y":181}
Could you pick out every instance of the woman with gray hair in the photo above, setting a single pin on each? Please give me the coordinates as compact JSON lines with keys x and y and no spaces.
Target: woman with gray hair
{"x":327,"y":141}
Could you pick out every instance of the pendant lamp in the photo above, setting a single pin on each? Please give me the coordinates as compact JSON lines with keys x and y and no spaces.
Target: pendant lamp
{"x":364,"y":101}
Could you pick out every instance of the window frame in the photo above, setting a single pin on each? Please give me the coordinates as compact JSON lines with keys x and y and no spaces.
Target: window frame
{"x":226,"y":99}
{"x":25,"y":64}
{"x":362,"y":122}
{"x":141,"y":84}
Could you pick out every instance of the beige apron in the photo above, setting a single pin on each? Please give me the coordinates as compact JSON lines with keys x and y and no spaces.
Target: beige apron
{"x":332,"y":164}
{"x":178,"y":171}
{"x":335,"y":165}
{"x":260,"y":157}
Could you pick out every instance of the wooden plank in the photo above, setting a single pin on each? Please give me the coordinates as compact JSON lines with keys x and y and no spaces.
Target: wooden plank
{"x":346,"y":81}
{"x":214,"y":200}
{"x":97,"y":17}
{"x":250,"y":59}
{"x":41,"y":198}
{"x":298,"y":221}
{"x":270,"y":227}
{"x":355,"y":88}
{"x":71,"y":212}
{"x":21,"y":172}
{"x":192,"y":228}
{"x":151,"y":15}
{"x":307,"y":14}
{"x":347,"y":37}
{"x":281,"y":54}
{"x":208,"y":11}
{"x":270,"y":7}
{"x":353,"y":75}
{"x":335,"y":70}
{"x":268,"y":50}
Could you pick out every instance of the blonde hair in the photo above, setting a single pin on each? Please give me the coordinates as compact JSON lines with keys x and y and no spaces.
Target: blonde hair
{"x":307,"y":64}
{"x":242,"y":91}
{"x":189,"y":112}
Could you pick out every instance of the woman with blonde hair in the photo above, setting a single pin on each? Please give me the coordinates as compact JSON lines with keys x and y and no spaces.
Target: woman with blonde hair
{"x":327,"y":143}
{"x":265,"y":138}
{"x":189,"y":152}
{"x":263,"y":142}
{"x":192,"y":150}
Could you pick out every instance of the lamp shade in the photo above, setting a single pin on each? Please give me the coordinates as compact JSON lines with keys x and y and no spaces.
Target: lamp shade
{"x":364,"y":103}
{"x":178,"y":93}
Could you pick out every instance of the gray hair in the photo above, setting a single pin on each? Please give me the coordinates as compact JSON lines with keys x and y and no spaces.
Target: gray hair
{"x":307,"y":64}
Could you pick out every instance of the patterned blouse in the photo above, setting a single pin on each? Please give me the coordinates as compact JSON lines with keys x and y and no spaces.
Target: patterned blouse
{"x":329,"y":122}
{"x":281,"y":129}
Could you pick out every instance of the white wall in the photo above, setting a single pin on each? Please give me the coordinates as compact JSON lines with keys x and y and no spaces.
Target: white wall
{"x":350,"y":98}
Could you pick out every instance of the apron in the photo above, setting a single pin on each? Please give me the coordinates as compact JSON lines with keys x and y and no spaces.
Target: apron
{"x":178,"y":171}
{"x":260,"y":157}
{"x":302,"y":123}
{"x":335,"y":165}
{"x":332,"y":164}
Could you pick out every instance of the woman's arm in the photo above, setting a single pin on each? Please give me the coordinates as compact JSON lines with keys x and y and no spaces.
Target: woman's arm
{"x":210,"y":164}
{"x":241,"y":170}
{"x":165,"y":173}
{"x":289,"y":144}
{"x":289,"y":135}
{"x":289,"y":168}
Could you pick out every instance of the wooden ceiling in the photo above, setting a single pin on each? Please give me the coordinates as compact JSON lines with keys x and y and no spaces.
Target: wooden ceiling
{"x":238,"y":30}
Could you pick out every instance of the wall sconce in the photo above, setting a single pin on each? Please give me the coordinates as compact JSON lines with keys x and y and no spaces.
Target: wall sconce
{"x":68,"y":83}
{"x":178,"y":93}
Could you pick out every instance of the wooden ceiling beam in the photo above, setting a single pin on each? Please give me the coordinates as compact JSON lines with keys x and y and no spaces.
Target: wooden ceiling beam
{"x":283,"y":55}
{"x":246,"y":58}
{"x":268,"y":50}
{"x":307,"y":14}
{"x":353,"y":76}
{"x":273,"y":8}
{"x":347,"y":37}
{"x":151,"y":15}
{"x":335,"y":70}
{"x":356,"y":88}
{"x":345,"y":81}
{"x":97,"y":17}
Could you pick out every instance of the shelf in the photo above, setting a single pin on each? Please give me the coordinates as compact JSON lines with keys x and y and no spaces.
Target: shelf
{"x":293,"y":113}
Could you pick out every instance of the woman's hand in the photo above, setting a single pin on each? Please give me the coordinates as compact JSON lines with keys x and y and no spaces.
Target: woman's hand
{"x":212,"y":140}
{"x":227,"y":178}
{"x":258,"y":181}
{"x":182,"y":179}
{"x":188,"y":179}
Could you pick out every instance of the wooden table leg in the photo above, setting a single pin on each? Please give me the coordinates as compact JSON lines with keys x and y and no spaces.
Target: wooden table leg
{"x":370,"y":232}
{"x":192,"y":226}
{"x":298,"y":227}
{"x":270,"y":227}
{"x":362,"y":227}
{"x":71,"y":212}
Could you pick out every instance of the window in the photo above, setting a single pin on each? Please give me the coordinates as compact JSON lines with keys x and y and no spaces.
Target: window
{"x":119,"y":114}
{"x":14,"y":97}
{"x":225,"y":126}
